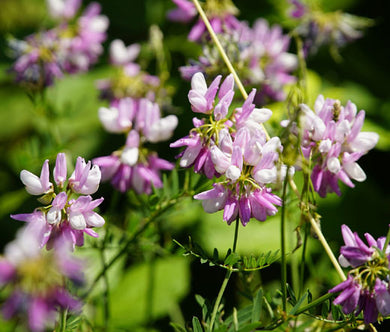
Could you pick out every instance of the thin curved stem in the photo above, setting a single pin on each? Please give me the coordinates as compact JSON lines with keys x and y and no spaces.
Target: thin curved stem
{"x":144,"y":225}
{"x":329,"y":251}
{"x":386,"y":242}
{"x":223,"y":54}
{"x":225,"y":280}
{"x":283,"y":246}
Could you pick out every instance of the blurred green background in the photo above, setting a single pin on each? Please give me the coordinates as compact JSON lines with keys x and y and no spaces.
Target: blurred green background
{"x":26,"y":139}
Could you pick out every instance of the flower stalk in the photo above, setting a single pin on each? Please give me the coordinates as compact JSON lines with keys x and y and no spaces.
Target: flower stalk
{"x":225,"y":280}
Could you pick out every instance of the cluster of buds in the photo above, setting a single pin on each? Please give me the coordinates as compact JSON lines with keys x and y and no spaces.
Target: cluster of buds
{"x":129,"y":80}
{"x":232,"y":145}
{"x":68,"y":212}
{"x":70,"y":47}
{"x":333,"y":141}
{"x":367,"y":286}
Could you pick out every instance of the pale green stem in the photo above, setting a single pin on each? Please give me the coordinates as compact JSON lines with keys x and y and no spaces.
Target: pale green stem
{"x":223,"y":54}
{"x":225,"y":280}
{"x":283,"y":246}
{"x":325,"y":244}
{"x":63,"y":320}
{"x":386,"y":242}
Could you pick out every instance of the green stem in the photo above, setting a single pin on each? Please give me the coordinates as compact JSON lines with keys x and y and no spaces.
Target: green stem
{"x":225,"y":280}
{"x":314,"y":303}
{"x":147,"y":221}
{"x":63,"y":320}
{"x":329,"y":251}
{"x":236,"y":234}
{"x":106,"y":294}
{"x":303,"y":259}
{"x":283,"y":245}
{"x":386,"y":242}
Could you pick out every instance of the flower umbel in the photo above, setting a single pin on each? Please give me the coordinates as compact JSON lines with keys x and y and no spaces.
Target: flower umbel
{"x":367,"y":286}
{"x":68,"y":213}
{"x":232,"y":145}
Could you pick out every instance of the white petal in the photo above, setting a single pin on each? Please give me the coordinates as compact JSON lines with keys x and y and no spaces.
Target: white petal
{"x":265,"y":175}
{"x":325,"y":146}
{"x":364,"y":141}
{"x":355,"y":171}
{"x":198,"y":83}
{"x":260,"y":115}
{"x":53,"y":216}
{"x":233,"y":173}
{"x":77,"y":221}
{"x":32,"y":182}
{"x":333,"y":165}
{"x":109,"y":119}
{"x":343,"y":261}
{"x":95,"y":220}
{"x":130,"y":156}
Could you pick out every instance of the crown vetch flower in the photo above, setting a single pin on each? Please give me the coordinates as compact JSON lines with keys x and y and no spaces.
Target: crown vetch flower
{"x":37,"y":279}
{"x":319,"y":28}
{"x":367,"y":286}
{"x":70,"y":47}
{"x":332,"y":136}
{"x":134,"y":166}
{"x":67,"y":216}
{"x":35,"y":185}
{"x":259,"y":54}
{"x":63,"y":9}
{"x":122,"y":55}
{"x":234,"y":147}
{"x":129,"y":80}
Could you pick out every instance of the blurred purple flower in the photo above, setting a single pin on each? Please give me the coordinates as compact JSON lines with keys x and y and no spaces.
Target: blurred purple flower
{"x":221,"y":15}
{"x":37,"y":279}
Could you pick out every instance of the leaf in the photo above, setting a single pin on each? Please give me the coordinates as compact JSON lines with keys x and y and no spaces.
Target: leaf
{"x":299,"y":303}
{"x":291,"y":294}
{"x":197,"y":327}
{"x":177,"y":327}
{"x":243,"y":316}
{"x":257,"y":306}
{"x":232,"y":259}
{"x":325,"y":309}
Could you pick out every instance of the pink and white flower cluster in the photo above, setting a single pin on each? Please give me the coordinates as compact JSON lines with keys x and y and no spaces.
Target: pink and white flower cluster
{"x":367,"y":286}
{"x":129,"y":80}
{"x":333,"y":140}
{"x":260,"y":56}
{"x":232,"y":145}
{"x":37,"y":279}
{"x":69,"y":210}
{"x":135,"y":166}
{"x":70,"y":47}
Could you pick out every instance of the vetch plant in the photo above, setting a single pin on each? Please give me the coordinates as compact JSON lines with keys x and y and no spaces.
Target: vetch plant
{"x":268,"y":150}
